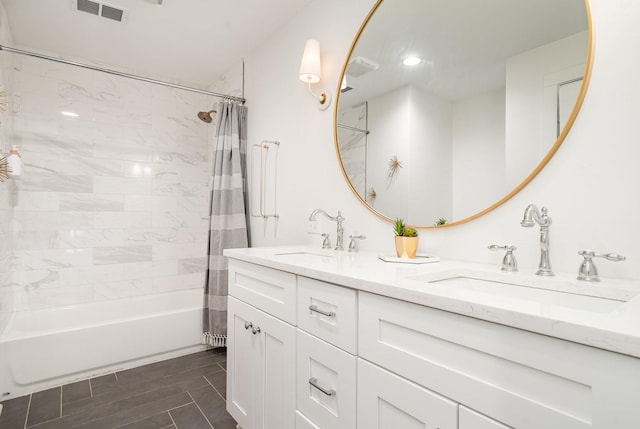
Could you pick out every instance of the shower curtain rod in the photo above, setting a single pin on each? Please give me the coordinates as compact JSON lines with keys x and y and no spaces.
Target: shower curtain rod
{"x":121,"y":74}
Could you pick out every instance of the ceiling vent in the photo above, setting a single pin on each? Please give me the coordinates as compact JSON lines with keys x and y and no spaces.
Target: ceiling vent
{"x":114,"y":13}
{"x":359,"y":65}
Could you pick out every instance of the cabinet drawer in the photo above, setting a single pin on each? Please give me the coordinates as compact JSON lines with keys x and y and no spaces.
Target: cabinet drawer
{"x":525,"y":380}
{"x":388,"y":401}
{"x":270,"y":290}
{"x":329,"y":312}
{"x":469,"y":419}
{"x":325,"y":383}
{"x":303,"y":423}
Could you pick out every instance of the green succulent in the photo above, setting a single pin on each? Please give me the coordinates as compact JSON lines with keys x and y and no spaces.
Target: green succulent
{"x":401,"y":230}
{"x":441,"y":221}
{"x":410,"y":232}
{"x":398,"y":227}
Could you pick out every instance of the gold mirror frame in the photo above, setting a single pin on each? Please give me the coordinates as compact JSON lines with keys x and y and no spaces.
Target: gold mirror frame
{"x":525,"y":182}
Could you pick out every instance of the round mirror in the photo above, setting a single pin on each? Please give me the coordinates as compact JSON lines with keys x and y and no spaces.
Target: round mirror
{"x":447,"y":108}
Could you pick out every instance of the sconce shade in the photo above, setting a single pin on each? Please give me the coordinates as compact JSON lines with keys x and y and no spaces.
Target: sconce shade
{"x":310,"y":65}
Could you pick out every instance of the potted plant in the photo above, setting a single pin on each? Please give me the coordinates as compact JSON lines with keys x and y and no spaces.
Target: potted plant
{"x":406,"y":238}
{"x":441,"y":221}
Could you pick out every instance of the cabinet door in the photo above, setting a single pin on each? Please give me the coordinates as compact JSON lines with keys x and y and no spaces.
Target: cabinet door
{"x":469,"y":419}
{"x":241,"y":365}
{"x":260,"y":368}
{"x":387,"y":401}
{"x":275,"y":375}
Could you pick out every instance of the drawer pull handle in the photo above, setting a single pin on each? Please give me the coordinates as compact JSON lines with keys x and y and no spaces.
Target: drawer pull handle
{"x":255,"y":330}
{"x":314,"y":382}
{"x":247,"y":325}
{"x":324,"y":313}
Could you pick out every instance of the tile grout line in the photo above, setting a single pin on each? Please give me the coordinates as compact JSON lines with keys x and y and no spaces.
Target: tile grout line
{"x":199,"y":409}
{"x":60,"y":413}
{"x":214,"y":389}
{"x":180,"y":406}
{"x":138,"y":406}
{"x":175,"y":408}
{"x":135,"y":421}
{"x":26,"y":416}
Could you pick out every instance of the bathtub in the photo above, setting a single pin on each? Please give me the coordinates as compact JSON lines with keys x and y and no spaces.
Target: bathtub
{"x":46,"y":348}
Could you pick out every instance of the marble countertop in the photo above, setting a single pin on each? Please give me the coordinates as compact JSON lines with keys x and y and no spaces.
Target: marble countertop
{"x":604,"y":315}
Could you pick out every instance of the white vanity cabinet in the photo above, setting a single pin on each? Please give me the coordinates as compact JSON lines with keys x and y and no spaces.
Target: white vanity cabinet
{"x":334,"y":357}
{"x":261,"y":347}
{"x":499,"y":376}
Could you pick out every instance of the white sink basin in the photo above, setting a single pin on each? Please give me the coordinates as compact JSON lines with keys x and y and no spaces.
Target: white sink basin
{"x":540,"y":292}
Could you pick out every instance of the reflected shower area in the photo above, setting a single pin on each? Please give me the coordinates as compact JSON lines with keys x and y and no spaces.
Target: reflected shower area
{"x":441,"y":121}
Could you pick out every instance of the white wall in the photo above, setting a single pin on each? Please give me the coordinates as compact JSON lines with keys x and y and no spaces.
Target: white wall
{"x":478,"y":153}
{"x":390,"y":136}
{"x":531,"y":101}
{"x":430,"y":160}
{"x":589,"y":186}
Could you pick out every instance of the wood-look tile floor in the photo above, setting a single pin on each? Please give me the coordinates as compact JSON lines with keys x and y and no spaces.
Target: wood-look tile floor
{"x":182,"y":393}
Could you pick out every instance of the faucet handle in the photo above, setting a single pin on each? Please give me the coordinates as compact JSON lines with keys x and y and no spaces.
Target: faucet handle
{"x":509,"y":262}
{"x":588,"y":271}
{"x":326,"y":243}
{"x":353,"y":244}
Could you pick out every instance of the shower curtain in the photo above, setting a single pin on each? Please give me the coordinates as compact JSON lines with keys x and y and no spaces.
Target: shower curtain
{"x":228,"y":225}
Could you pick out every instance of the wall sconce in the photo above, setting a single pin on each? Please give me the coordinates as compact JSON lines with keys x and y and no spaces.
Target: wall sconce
{"x":310,"y":71}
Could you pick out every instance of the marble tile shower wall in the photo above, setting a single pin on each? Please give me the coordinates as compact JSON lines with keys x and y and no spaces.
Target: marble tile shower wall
{"x":353,"y":146}
{"x":114,"y":202}
{"x":6,"y":296}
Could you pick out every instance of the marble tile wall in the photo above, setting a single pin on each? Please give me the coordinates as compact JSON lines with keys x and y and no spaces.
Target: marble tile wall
{"x":6,"y":295}
{"x":353,"y":146}
{"x":114,"y":202}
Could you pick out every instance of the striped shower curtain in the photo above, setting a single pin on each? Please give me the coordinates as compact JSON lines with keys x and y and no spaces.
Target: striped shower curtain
{"x":228,"y":226}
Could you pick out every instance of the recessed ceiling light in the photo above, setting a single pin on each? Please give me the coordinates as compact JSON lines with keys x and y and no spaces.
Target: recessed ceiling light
{"x":69,"y":114}
{"x":411,"y":61}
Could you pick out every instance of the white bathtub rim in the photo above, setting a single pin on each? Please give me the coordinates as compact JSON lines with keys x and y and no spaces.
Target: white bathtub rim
{"x":11,"y":334}
{"x":19,"y":390}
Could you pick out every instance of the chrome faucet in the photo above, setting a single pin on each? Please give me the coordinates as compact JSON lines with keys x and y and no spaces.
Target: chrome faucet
{"x":509,"y":262}
{"x":340,"y":229}
{"x":532,"y":216}
{"x":353,"y":244}
{"x":588,"y":271}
